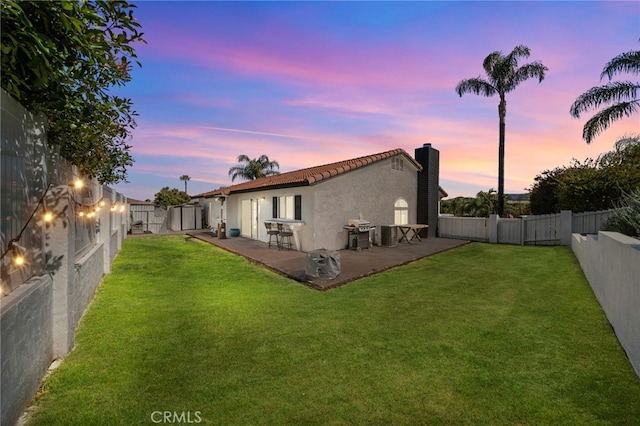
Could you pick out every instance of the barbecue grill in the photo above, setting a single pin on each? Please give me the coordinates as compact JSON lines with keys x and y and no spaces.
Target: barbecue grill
{"x":358,"y":234}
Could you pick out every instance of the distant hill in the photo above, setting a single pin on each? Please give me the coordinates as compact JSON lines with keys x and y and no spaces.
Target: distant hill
{"x":518,"y":197}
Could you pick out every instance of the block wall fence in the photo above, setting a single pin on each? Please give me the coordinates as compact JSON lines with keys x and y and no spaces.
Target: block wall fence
{"x":43,"y":301}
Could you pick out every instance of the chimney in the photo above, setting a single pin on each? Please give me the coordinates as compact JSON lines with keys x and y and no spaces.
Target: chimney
{"x":428,"y":187}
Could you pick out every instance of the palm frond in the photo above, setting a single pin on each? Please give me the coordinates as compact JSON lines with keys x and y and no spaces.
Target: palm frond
{"x":532,"y":70}
{"x":491,"y":61}
{"x":518,"y":52}
{"x":626,"y":62}
{"x":601,"y":121}
{"x":476,"y":85}
{"x":612,"y":92}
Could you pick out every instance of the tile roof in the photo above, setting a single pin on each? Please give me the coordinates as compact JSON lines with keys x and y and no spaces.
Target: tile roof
{"x":308,"y":176}
{"x":134,"y":201}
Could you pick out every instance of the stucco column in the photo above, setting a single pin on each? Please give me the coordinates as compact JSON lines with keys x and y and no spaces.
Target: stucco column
{"x":60,"y":255}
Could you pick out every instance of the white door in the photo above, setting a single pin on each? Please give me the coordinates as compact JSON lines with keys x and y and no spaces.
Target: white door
{"x":245,"y":220}
{"x":254,"y":218}
{"x":249,"y":218}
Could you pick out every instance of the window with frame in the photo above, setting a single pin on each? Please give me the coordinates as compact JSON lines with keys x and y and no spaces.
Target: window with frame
{"x":401,"y":212}
{"x":287,"y":207}
{"x":397,"y":163}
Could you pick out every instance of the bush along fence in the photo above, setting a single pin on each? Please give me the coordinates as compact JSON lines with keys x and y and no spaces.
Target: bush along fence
{"x":551,"y":229}
{"x":58,"y":240}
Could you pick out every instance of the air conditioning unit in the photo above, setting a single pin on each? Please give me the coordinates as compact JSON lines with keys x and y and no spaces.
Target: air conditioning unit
{"x":388,"y":235}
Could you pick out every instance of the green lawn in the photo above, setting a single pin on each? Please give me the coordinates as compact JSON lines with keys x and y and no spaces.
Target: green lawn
{"x":483,"y":334}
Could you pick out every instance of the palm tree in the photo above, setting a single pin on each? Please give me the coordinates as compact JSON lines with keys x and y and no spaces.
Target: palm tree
{"x":504,"y":75}
{"x":255,"y":168}
{"x":621,"y":95}
{"x":486,"y":202}
{"x":185,"y":178}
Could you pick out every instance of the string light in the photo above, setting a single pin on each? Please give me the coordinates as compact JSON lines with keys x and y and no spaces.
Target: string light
{"x":18,"y":253}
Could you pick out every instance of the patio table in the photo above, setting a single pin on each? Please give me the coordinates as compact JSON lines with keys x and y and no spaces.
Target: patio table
{"x":414,"y":229}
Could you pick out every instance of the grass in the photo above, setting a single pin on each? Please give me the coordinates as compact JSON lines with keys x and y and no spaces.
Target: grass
{"x":484,"y":334}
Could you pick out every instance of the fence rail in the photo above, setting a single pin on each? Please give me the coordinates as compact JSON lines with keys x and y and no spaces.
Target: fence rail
{"x":549,"y":229}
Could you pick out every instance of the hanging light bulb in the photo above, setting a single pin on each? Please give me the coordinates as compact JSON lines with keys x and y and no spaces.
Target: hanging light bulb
{"x":81,"y":213}
{"x":101,"y":204}
{"x":122,"y":208}
{"x":18,"y":260}
{"x":47,"y":216}
{"x":18,"y":252}
{"x":78,"y":184}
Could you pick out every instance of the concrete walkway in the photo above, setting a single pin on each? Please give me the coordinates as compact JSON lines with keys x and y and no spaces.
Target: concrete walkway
{"x":354,"y":264}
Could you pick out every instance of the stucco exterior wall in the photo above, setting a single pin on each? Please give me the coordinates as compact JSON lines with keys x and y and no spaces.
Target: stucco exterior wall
{"x":611,"y":263}
{"x":368,"y":193}
{"x":233,"y":213}
{"x":27,"y":344}
{"x":88,"y":274}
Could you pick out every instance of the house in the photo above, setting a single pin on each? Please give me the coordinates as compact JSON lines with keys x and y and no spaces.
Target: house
{"x":386,"y":188}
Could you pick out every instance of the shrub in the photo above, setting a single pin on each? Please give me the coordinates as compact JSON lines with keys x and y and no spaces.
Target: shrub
{"x":627,"y":219}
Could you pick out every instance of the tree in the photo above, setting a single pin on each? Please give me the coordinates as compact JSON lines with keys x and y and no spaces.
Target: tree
{"x":185,"y":178}
{"x":621,"y":96}
{"x":255,"y":168}
{"x":504,"y":76}
{"x":170,"y":197}
{"x":59,"y":59}
{"x":486,"y":203}
{"x":589,"y":185}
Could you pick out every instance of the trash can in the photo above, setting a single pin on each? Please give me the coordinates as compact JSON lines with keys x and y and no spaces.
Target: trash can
{"x":323,"y":263}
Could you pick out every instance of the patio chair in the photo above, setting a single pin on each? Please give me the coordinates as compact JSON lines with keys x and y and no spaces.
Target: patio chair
{"x":272,"y":232}
{"x":285,"y":233}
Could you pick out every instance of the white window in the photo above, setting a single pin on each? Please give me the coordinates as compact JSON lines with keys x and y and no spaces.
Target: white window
{"x":286,"y":208}
{"x":401,"y":212}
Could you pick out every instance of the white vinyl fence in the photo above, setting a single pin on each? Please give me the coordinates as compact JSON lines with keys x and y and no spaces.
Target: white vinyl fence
{"x":153,"y":218}
{"x":464,"y":228}
{"x":550,"y":229}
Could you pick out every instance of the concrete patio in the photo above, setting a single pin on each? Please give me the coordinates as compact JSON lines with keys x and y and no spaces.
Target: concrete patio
{"x":354,"y":264}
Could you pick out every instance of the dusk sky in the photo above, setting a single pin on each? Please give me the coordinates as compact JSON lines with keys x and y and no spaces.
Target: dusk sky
{"x":310,"y":83}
